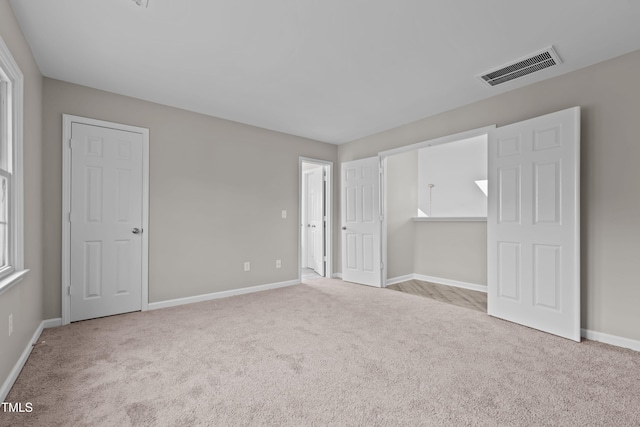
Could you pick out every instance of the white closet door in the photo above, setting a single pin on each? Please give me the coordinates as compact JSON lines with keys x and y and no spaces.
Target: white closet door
{"x":534,"y":223}
{"x":106,"y":221}
{"x":361,"y":222}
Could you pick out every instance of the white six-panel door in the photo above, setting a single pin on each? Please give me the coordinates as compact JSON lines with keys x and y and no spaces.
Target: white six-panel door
{"x":105,"y":221}
{"x":534,"y":223}
{"x":361,"y":222}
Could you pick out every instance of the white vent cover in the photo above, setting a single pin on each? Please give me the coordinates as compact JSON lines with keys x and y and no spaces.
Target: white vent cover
{"x":535,"y":62}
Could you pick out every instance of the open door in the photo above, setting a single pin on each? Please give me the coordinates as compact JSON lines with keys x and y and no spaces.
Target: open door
{"x":361,"y":222}
{"x":315,"y":219}
{"x":534,"y":223}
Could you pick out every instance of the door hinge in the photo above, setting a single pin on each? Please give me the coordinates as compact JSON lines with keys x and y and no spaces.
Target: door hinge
{"x":68,"y":290}
{"x":381,"y":266}
{"x":69,"y":216}
{"x":70,"y":143}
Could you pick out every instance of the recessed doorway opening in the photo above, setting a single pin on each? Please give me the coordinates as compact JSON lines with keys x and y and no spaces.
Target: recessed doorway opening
{"x":315,"y":219}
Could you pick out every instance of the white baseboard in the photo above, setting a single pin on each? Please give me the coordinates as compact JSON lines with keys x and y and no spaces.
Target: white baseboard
{"x":456,"y":283}
{"x":438,"y":280}
{"x":222,"y":294}
{"x":52,"y":323}
{"x":610,"y":339}
{"x":399,"y":279}
{"x":337,"y":275}
{"x":13,"y":375}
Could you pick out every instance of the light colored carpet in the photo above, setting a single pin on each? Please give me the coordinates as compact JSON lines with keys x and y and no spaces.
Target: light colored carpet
{"x":323,"y":353}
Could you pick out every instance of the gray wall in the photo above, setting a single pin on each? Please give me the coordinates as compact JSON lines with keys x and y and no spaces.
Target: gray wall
{"x":402,"y":206}
{"x":451,"y":250}
{"x":609,"y":95}
{"x":217,"y":189}
{"x":24,"y":300}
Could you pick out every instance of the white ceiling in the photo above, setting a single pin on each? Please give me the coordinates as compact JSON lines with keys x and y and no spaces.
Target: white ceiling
{"x":330,"y":70}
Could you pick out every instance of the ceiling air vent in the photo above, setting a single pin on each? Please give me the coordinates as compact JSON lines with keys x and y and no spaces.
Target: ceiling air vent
{"x":538,"y":61}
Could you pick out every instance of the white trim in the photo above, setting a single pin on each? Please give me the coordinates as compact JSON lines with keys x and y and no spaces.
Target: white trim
{"x":450,"y":282}
{"x":328,"y":201}
{"x":437,"y":141}
{"x":610,"y":339}
{"x":52,"y":323}
{"x":145,"y":219}
{"x":450,"y":219}
{"x":13,"y":375}
{"x":384,"y":238}
{"x":16,"y":214}
{"x":337,"y":276}
{"x":11,"y":280}
{"x":437,"y":280}
{"x":67,"y":120}
{"x":399,"y":279}
{"x":221,"y":294}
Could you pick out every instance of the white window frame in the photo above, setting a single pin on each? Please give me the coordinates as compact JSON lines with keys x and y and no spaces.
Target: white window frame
{"x":10,"y":72}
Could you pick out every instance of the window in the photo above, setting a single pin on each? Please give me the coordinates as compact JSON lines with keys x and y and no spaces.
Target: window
{"x":11,"y":220}
{"x":5,"y":179}
{"x":452,"y":179}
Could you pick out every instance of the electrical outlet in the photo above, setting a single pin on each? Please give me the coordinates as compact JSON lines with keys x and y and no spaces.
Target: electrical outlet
{"x":278,"y":263}
{"x":247,"y":266}
{"x":10,"y":324}
{"x":284,"y":214}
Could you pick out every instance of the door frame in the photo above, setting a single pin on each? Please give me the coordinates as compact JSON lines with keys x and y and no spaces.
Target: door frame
{"x":67,"y":121}
{"x":328,"y":206}
{"x":304,"y":254}
{"x":428,"y":143}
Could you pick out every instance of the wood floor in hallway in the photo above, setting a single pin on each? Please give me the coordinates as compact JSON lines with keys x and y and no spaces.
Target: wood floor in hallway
{"x":450,"y":294}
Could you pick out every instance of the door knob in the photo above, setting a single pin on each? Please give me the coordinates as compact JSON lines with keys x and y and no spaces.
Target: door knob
{"x":136,"y":231}
{"x":344,"y":228}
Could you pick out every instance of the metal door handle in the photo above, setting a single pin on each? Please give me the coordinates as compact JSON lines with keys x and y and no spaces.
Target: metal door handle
{"x":136,"y":231}
{"x":344,"y":228}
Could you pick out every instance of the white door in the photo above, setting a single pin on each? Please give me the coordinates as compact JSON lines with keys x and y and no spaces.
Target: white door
{"x":315,"y":220}
{"x":105,"y":221}
{"x":361,"y":222}
{"x":534,"y":223}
